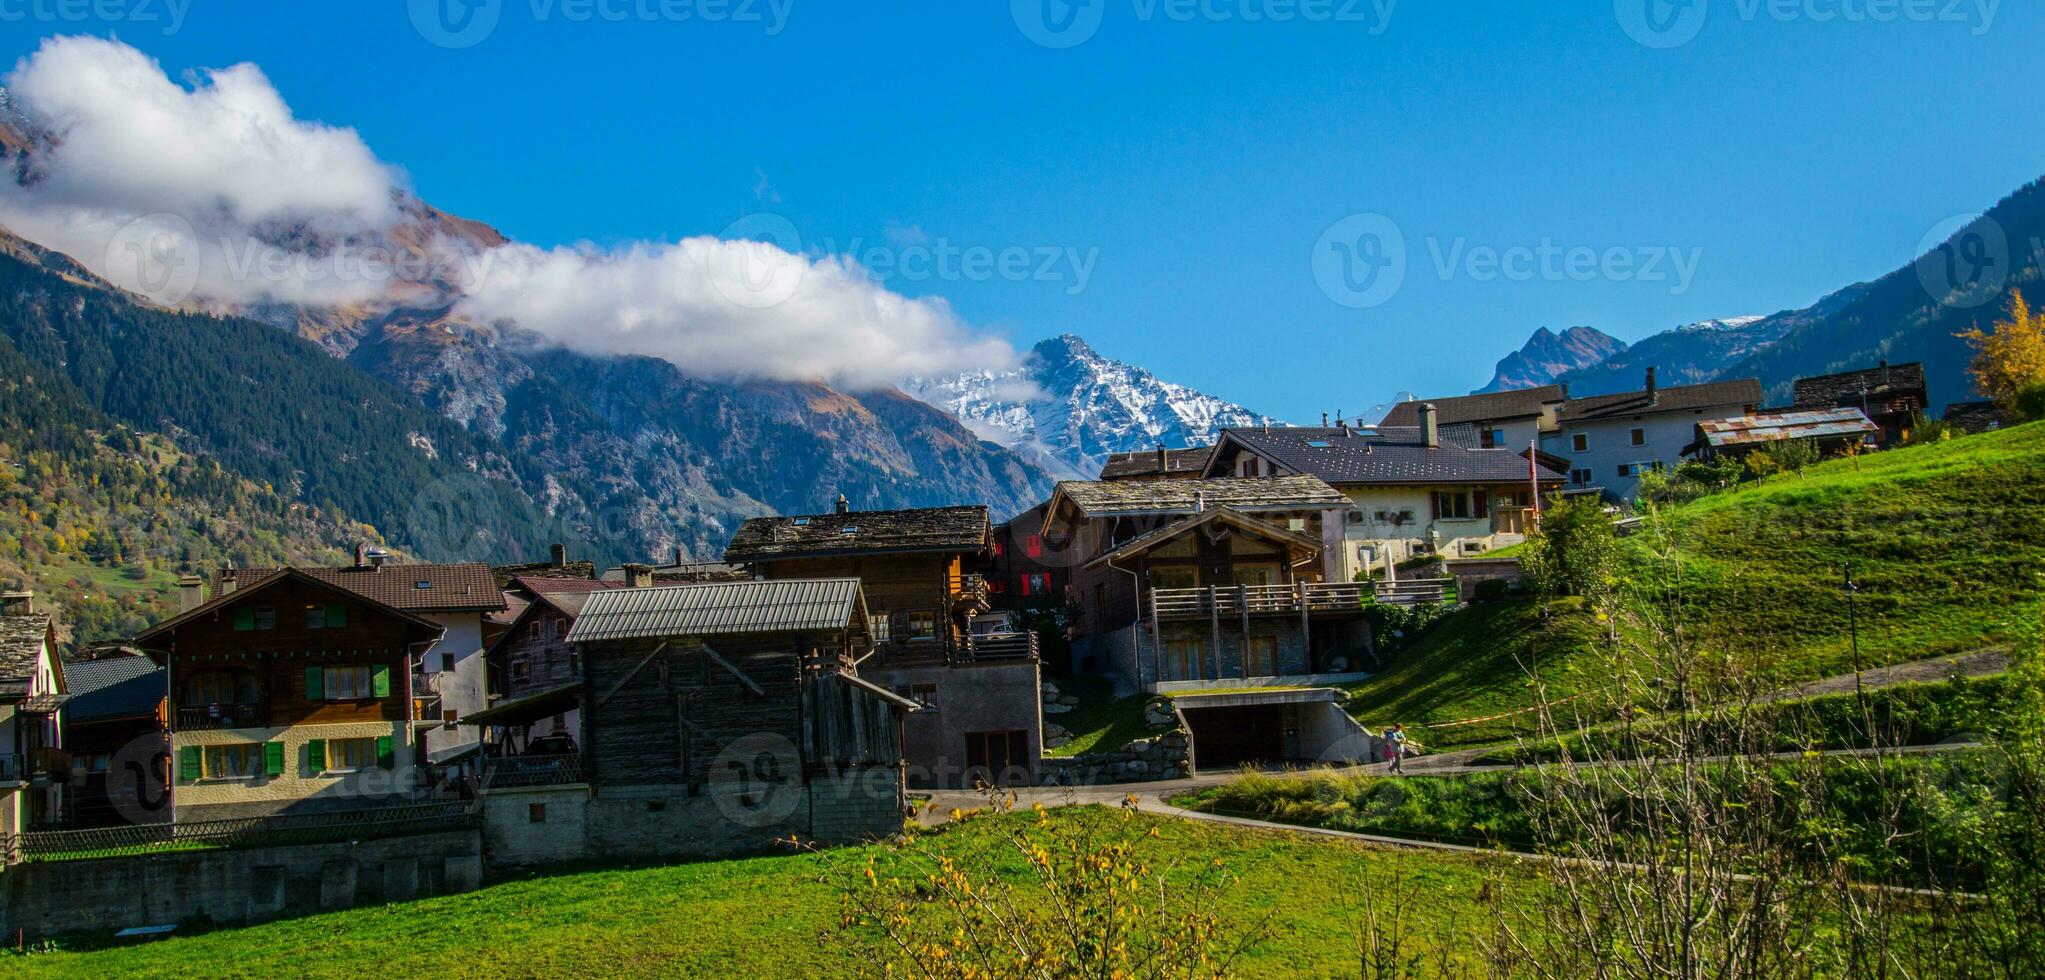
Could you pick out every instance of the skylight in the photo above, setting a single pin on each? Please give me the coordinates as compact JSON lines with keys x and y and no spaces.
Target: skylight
{"x":422,"y":584}
{"x":802,"y":522}
{"x":849,"y":530}
{"x":1320,"y":443}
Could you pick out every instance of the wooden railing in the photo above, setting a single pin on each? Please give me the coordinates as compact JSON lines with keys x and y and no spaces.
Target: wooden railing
{"x":987,"y":649}
{"x":1261,"y":600}
{"x":200,"y":717}
{"x":532,"y":770}
{"x":967,"y":588}
{"x":1417,"y":592}
{"x":335,"y":825}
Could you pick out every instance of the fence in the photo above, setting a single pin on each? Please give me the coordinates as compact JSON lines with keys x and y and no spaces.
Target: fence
{"x":532,"y":770}
{"x":308,"y":828}
{"x":1010,"y":646}
{"x":1260,"y":600}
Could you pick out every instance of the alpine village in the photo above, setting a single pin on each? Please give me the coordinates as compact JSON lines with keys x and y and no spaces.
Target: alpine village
{"x":400,"y":632}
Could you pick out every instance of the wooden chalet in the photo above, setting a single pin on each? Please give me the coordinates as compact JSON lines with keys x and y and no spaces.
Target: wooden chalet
{"x":120,"y":749}
{"x":287,"y":694}
{"x":1892,"y":396}
{"x":741,"y":697}
{"x":535,"y":673}
{"x":925,"y":574}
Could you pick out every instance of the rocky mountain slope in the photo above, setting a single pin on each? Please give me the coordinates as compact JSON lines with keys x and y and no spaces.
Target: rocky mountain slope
{"x":1690,"y":354}
{"x":1067,"y":407}
{"x":1548,"y":355}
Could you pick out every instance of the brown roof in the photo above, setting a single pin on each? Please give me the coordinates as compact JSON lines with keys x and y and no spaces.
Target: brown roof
{"x":470,"y":587}
{"x":1681,"y":398}
{"x":1124,"y":498}
{"x":1519,"y":403}
{"x":250,"y":580}
{"x":861,"y":532}
{"x":1185,"y":462}
{"x":1882,"y":389}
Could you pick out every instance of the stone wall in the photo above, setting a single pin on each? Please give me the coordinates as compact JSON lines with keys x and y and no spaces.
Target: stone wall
{"x":1165,"y":755}
{"x":234,"y":887}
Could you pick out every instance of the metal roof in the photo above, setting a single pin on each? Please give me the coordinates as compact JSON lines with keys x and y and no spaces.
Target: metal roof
{"x":720,"y":608}
{"x":1749,"y":430}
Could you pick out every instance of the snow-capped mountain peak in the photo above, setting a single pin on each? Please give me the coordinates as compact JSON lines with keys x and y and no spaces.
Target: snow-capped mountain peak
{"x":1068,"y":407}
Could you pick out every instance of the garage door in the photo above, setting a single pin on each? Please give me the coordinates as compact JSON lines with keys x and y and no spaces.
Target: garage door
{"x":1227,"y":737}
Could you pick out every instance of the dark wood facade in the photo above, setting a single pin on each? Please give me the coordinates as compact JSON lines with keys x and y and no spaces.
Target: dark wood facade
{"x":926,"y":598}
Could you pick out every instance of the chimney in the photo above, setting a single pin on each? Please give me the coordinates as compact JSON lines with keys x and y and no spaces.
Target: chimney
{"x":1200,"y":501}
{"x":1164,"y":460}
{"x":191,"y":592}
{"x":1652,"y":396}
{"x":21,"y":603}
{"x":1565,"y":391}
{"x":557,"y":556}
{"x":227,"y":580}
{"x":680,"y":560}
{"x":1324,"y":420}
{"x":841,"y":505}
{"x":1885,"y":372}
{"x":1430,"y":431}
{"x":361,"y":554}
{"x":638,"y":576}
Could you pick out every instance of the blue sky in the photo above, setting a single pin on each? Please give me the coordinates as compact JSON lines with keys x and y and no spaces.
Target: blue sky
{"x":1190,"y":165}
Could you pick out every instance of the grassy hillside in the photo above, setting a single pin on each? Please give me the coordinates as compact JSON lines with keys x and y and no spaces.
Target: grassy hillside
{"x":778,"y":916}
{"x":1947,"y":543}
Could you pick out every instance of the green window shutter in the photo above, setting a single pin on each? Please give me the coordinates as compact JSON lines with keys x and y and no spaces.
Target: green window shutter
{"x":244,"y":618}
{"x":380,"y":681}
{"x":188,"y":764}
{"x":315,"y":756}
{"x":273,"y":758}
{"x":386,"y":758}
{"x":315,"y":683}
{"x":337,"y":615}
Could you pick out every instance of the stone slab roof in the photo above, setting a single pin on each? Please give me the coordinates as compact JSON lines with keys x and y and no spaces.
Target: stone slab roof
{"x":861,"y":532}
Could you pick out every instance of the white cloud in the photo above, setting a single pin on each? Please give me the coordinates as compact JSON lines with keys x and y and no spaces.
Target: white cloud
{"x":225,"y":156}
{"x":213,"y":192}
{"x":720,"y":308}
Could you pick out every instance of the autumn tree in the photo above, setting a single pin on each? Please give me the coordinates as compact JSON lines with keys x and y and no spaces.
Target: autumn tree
{"x":2009,"y":359}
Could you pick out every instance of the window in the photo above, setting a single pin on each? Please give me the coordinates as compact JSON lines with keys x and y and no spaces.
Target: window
{"x":352,"y":683}
{"x":1183,"y":660}
{"x":997,"y":586}
{"x":1452,"y":505}
{"x":1640,"y":437}
{"x":999,"y":548}
{"x":1580,"y":477}
{"x":924,"y":694}
{"x":880,"y":626}
{"x":532,"y":629}
{"x":350,"y":754}
{"x":536,"y":813}
{"x":1580,"y":443}
{"x":1491,"y":438}
{"x":243,"y":761}
{"x":1255,"y":575}
{"x":1172,"y":578}
{"x":327,"y":616}
{"x":1319,"y":444}
{"x":255,"y":618}
{"x":521,"y":671}
{"x":221,"y":687}
{"x":447,"y":663}
{"x":1033,"y":546}
{"x":315,"y":617}
{"x":574,"y":664}
{"x":1036,"y":583}
{"x":923,"y":625}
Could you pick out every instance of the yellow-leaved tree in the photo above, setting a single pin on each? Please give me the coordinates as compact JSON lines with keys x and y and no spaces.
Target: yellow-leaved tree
{"x":2009,"y":360}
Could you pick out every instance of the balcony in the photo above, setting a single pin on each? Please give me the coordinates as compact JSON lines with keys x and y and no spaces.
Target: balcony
{"x":13,"y":769}
{"x":967,"y":590}
{"x":1302,"y":598}
{"x":51,"y":764}
{"x":192,"y":718}
{"x":1000,"y":648}
{"x":426,"y":702}
{"x":532,"y":770}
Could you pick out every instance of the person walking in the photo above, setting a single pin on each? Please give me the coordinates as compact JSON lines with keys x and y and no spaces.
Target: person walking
{"x":1396,"y":739}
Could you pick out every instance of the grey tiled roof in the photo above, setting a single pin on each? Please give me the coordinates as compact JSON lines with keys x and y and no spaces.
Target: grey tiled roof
{"x":1125,"y":498}
{"x":113,"y":687}
{"x":1122,"y":466}
{"x":718,"y":609}
{"x":1388,"y":456}
{"x":21,"y":644}
{"x":961,"y":529}
{"x":1682,"y":398}
{"x":1519,"y":403}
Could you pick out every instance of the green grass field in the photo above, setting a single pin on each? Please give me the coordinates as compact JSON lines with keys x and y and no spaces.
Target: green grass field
{"x":779,"y":916}
{"x":1947,"y":543}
